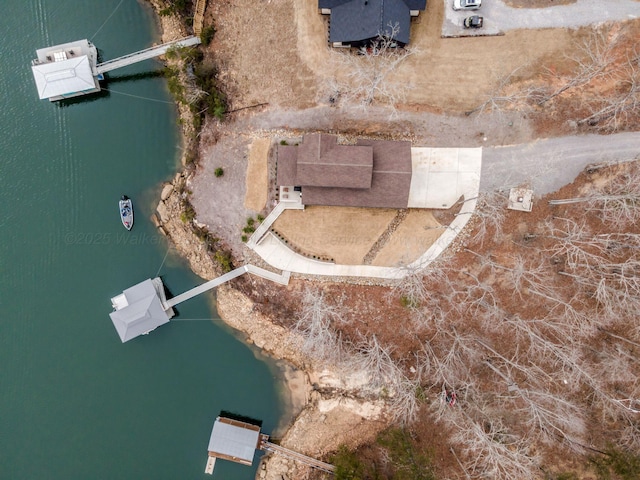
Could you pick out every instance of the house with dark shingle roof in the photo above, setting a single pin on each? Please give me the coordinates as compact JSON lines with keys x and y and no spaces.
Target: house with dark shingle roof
{"x":357,"y":23}
{"x":371,"y":173}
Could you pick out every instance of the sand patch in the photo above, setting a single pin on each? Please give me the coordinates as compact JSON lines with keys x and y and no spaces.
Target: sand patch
{"x":257,"y":176}
{"x":412,"y":238}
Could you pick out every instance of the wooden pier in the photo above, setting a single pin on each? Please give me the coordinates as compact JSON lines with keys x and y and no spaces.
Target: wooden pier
{"x":145,"y":54}
{"x":267,"y":446}
{"x":198,"y":17}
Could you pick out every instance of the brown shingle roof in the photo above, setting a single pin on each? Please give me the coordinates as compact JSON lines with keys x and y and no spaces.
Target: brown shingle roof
{"x":337,"y":182}
{"x":324,"y":163}
{"x":286,"y":163}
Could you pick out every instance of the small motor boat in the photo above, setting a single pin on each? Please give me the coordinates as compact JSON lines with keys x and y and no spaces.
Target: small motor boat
{"x":126,"y":212}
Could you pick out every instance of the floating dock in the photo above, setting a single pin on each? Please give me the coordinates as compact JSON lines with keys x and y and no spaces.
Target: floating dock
{"x":238,"y":441}
{"x":71,"y":69}
{"x":144,"y":307}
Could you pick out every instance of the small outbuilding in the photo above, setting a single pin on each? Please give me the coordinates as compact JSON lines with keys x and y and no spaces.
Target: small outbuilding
{"x":67,"y":70}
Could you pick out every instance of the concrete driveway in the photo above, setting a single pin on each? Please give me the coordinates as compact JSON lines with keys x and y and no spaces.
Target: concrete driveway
{"x":498,"y":17}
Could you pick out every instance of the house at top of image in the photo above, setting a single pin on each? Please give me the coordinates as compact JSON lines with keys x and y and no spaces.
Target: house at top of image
{"x":358,"y":23}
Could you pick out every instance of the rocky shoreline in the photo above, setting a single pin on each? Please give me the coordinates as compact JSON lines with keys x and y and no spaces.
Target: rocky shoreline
{"x":327,"y":410}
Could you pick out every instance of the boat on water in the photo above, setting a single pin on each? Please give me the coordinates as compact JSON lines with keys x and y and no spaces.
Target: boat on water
{"x":126,"y":212}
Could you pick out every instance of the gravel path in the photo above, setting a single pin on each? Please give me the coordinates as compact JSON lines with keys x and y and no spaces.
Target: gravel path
{"x":552,"y":163}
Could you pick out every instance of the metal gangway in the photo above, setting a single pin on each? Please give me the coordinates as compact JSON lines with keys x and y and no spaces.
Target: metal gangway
{"x":145,"y":54}
{"x":281,"y":278}
{"x":312,"y":462}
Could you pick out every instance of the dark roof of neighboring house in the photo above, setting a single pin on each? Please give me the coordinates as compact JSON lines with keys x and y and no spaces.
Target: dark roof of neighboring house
{"x":390,"y":178}
{"x":355,"y":21}
{"x":412,"y":4}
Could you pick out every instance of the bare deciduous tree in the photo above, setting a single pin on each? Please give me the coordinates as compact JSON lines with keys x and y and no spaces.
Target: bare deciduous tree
{"x":490,"y":450}
{"x":369,"y":72}
{"x":385,"y":376}
{"x":315,"y":326}
{"x":611,"y":111}
{"x":489,"y":214}
{"x":594,"y":56}
{"x":504,"y":96}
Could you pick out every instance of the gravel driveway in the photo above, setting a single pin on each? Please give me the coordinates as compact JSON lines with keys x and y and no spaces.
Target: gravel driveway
{"x":552,"y":163}
{"x":499,"y":17}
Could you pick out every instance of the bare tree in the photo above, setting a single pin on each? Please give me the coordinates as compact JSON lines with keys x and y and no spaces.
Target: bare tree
{"x":369,"y":72}
{"x":386,"y":377}
{"x":489,"y":216}
{"x":315,"y":325}
{"x":594,"y":57}
{"x":618,"y":202}
{"x":490,"y":450}
{"x":620,"y":107}
{"x":506,"y":96}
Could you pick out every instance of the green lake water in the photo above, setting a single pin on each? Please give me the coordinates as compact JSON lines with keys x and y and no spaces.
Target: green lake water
{"x":76,"y":403}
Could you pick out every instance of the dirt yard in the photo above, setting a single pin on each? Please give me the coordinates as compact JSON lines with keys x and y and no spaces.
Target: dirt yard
{"x":276,"y":52}
{"x":337,"y":234}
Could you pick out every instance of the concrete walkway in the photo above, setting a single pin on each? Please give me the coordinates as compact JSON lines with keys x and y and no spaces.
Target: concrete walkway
{"x":439,"y":178}
{"x":282,"y":279}
{"x":145,"y":54}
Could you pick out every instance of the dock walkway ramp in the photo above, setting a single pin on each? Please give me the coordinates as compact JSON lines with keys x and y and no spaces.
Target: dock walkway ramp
{"x":145,"y":54}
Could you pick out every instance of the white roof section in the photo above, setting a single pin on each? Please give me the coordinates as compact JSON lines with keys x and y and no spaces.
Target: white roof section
{"x":440,"y":176}
{"x":139,"y":310}
{"x":65,"y":77}
{"x":66,"y":70}
{"x":233,"y":442}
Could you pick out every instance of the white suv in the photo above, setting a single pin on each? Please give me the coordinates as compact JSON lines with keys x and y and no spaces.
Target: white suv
{"x":466,"y":4}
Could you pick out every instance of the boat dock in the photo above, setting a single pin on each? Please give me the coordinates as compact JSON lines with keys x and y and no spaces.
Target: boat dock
{"x":237,"y":441}
{"x":70,"y":69}
{"x":282,"y":279}
{"x":145,"y":54}
{"x":144,"y":307}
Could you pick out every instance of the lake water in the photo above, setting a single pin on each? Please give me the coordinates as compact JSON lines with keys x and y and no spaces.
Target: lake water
{"x":75,"y":403}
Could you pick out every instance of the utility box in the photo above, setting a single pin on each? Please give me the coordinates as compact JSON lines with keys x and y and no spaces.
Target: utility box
{"x":520,"y":199}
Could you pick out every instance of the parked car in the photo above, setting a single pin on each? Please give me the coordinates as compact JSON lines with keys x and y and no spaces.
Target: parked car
{"x":474,"y":21}
{"x":466,"y":4}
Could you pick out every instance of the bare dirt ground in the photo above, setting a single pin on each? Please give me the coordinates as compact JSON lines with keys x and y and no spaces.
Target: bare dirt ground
{"x":277,"y":52}
{"x":257,"y":177}
{"x":335,"y":233}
